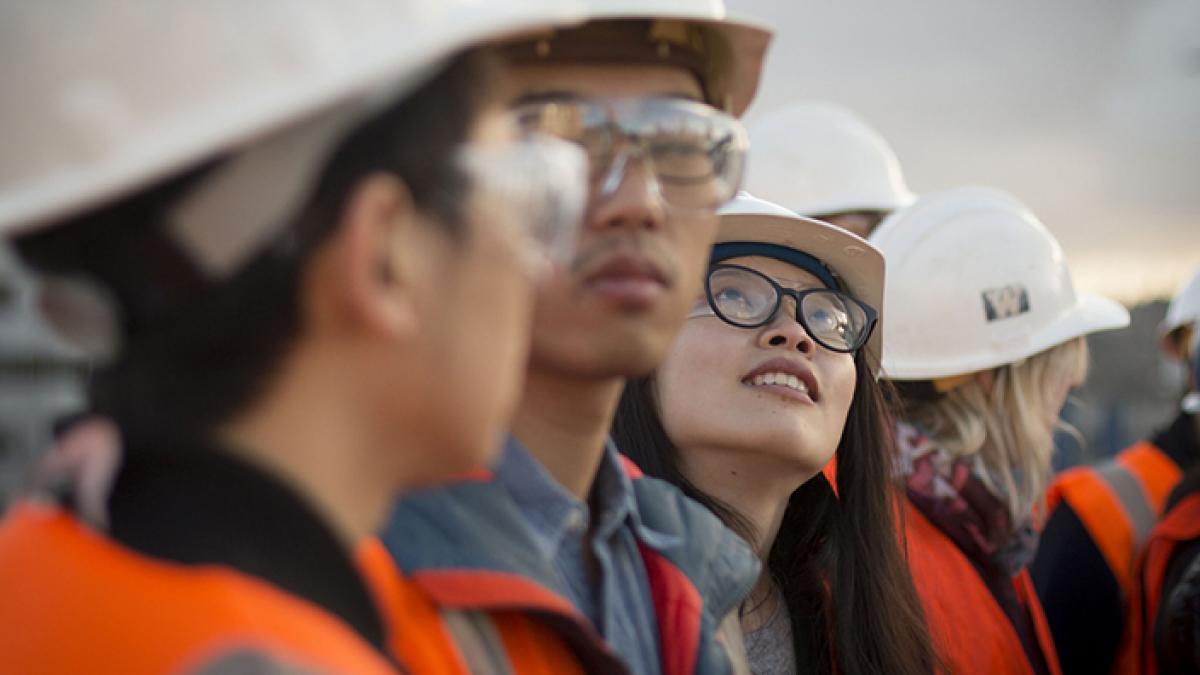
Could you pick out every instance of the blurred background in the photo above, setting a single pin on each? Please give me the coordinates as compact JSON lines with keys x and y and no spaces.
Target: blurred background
{"x":1087,"y":110}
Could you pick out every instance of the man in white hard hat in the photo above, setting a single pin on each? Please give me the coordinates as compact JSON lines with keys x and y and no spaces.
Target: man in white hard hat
{"x":1101,"y":516}
{"x":564,"y":528}
{"x":270,"y":225}
{"x":823,"y":161}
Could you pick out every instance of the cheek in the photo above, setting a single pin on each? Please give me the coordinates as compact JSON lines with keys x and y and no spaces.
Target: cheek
{"x":840,"y":385}
{"x":692,"y":383}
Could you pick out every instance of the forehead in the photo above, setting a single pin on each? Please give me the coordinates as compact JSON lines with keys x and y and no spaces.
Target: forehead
{"x":786,"y":274}
{"x":603,"y":81}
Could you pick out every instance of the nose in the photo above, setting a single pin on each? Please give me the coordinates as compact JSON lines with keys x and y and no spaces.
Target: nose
{"x":636,"y":201}
{"x":785,"y":331}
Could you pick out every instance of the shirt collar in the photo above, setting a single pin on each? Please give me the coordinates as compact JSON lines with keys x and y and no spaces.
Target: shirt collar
{"x":551,"y":511}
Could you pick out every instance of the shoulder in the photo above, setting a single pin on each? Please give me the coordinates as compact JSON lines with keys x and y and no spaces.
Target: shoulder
{"x":66,"y":583}
{"x":719,"y":563}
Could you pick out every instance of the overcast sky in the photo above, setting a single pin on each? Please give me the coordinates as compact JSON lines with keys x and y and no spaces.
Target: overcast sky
{"x":1087,"y":110}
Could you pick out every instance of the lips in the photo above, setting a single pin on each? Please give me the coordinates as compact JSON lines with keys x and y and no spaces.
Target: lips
{"x":626,"y":279}
{"x":786,"y":377}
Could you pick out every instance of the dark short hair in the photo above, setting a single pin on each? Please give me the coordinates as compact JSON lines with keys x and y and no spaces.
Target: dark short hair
{"x":196,"y":352}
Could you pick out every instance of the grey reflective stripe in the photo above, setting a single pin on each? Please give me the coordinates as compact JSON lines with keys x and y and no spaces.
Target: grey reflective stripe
{"x":1128,"y":489}
{"x":478,"y":641}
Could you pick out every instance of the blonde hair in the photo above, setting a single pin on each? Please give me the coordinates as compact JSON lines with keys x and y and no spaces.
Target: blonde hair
{"x":1007,"y":431}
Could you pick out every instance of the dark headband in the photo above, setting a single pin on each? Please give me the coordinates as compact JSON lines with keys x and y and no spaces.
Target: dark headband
{"x":736,"y":249}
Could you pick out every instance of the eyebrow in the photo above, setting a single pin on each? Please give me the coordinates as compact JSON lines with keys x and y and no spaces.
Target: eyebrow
{"x":560,"y":95}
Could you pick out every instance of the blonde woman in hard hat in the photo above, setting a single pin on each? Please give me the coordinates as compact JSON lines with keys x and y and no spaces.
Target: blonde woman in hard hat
{"x":823,"y":161}
{"x":773,"y":372}
{"x":1099,"y":518}
{"x":984,"y":339}
{"x":274,"y":230}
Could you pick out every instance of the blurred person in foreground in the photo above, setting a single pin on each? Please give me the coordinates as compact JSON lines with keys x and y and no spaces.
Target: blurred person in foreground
{"x":269,"y":227}
{"x":985,"y":338}
{"x":1099,"y":518}
{"x":564,"y":529}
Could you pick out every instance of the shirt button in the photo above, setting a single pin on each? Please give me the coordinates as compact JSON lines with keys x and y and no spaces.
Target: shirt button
{"x":574,"y":521}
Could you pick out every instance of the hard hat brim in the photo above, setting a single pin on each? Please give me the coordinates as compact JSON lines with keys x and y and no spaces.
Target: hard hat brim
{"x":746,"y":39}
{"x":1090,"y":314}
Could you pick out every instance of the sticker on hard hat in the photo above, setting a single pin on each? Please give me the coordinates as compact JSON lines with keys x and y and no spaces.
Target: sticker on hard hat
{"x":1005,"y":302}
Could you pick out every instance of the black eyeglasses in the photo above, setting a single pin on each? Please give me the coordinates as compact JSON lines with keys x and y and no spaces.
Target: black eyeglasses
{"x":747,"y":298}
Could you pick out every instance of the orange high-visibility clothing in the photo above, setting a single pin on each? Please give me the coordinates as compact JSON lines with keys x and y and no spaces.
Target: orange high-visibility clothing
{"x":970,"y":630}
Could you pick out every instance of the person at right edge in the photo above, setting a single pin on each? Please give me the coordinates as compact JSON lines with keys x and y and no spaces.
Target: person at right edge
{"x":1099,"y":518}
{"x":984,"y":340}
{"x":1166,"y":610}
{"x":631,"y":572}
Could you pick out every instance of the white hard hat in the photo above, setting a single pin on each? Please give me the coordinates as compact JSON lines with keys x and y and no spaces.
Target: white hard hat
{"x":733,"y":48}
{"x":854,"y":261}
{"x":820,"y":159}
{"x":1184,"y":307}
{"x":976,"y":281}
{"x":103,"y":98}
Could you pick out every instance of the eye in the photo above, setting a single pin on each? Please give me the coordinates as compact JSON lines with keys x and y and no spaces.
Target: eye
{"x":734,"y":301}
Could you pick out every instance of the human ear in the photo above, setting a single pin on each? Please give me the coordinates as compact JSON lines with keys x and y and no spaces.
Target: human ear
{"x":377,"y":221}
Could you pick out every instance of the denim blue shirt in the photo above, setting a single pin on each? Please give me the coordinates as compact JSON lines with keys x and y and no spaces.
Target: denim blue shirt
{"x":619,"y":605}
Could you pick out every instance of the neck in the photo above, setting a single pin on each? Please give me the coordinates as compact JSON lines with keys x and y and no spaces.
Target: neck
{"x":328,"y":458}
{"x":564,"y":422}
{"x":755,"y":485}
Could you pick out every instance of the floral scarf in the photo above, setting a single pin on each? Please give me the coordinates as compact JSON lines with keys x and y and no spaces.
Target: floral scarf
{"x":951,"y":494}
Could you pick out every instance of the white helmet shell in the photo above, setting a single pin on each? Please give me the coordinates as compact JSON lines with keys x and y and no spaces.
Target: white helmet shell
{"x":102,"y":98}
{"x":976,"y":281}
{"x":1184,"y":307}
{"x":820,"y":159}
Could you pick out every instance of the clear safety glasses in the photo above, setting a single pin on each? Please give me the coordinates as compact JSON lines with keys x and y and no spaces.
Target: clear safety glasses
{"x":746,"y":298}
{"x":692,"y":153}
{"x":539,"y":184}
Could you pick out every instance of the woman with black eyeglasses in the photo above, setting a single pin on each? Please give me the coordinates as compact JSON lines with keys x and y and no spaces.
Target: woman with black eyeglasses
{"x":771,"y":376}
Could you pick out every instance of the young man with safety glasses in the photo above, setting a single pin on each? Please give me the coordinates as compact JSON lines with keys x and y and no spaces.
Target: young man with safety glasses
{"x":564,"y":529}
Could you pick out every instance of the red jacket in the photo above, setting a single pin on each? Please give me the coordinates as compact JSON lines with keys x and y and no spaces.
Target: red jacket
{"x":1180,"y":525}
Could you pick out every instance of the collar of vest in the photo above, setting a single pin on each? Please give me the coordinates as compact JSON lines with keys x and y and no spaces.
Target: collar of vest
{"x":206,"y":507}
{"x":475,"y":552}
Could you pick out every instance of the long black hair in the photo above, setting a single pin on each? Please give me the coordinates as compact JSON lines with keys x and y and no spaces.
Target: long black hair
{"x":837,"y":558}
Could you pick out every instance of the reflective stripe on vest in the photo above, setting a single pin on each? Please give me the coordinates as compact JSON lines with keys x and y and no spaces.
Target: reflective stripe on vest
{"x":1118,"y":502}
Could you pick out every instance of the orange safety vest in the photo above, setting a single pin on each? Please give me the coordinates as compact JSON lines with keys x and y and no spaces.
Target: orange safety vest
{"x":1181,"y":524}
{"x":970,"y":630}
{"x":429,"y":639}
{"x":74,"y":601}
{"x":1119,"y":502}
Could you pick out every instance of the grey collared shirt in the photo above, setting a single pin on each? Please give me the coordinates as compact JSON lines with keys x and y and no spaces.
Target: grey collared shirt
{"x":619,"y":603}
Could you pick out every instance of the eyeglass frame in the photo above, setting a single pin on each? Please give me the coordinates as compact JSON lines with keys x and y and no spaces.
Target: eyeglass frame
{"x":872,"y":317}
{"x":612,"y":174}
